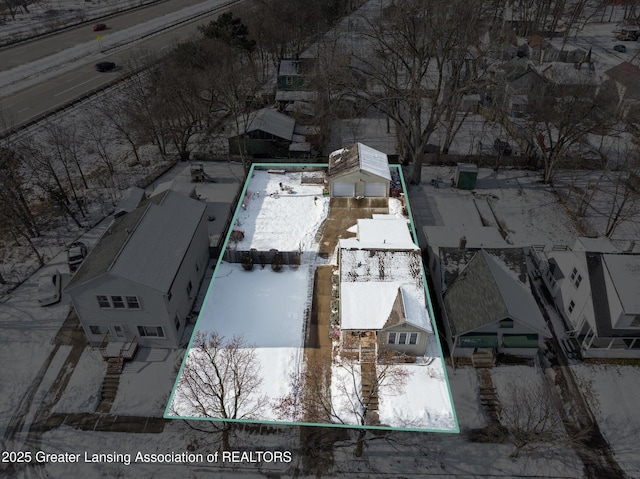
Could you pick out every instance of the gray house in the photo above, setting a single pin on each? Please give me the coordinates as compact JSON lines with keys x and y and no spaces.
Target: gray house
{"x":382,"y":293}
{"x":488,"y":304}
{"x":140,"y":281}
{"x":265,"y":133}
{"x":360,"y":171}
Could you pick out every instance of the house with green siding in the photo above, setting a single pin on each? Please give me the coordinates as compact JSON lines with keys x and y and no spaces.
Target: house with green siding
{"x":488,"y":305}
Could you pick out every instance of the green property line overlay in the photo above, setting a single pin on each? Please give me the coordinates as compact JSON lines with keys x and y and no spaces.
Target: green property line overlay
{"x":261,"y":166}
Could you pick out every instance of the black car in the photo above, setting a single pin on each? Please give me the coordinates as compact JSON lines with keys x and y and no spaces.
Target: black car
{"x":620,"y":48}
{"x":502,"y":147}
{"x":105,"y":66}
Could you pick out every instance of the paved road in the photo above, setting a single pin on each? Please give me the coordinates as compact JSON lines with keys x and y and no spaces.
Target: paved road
{"x":57,"y":90}
{"x":13,"y":56}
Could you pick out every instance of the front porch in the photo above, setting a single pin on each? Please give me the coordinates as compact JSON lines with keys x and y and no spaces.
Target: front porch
{"x":118,"y":349}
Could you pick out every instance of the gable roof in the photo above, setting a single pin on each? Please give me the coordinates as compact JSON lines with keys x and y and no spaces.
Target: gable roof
{"x":359,"y":157}
{"x":486,"y":291}
{"x":130,"y":247}
{"x":268,"y":120}
{"x":377,"y":268}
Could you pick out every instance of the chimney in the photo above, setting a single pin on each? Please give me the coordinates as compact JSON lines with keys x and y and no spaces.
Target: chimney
{"x":463,"y":242}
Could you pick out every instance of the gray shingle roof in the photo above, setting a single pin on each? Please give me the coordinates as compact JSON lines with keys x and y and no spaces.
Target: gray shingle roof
{"x":486,"y":290}
{"x":268,"y":120}
{"x":147,"y":245}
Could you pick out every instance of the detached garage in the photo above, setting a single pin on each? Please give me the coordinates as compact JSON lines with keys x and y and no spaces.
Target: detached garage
{"x":360,"y":171}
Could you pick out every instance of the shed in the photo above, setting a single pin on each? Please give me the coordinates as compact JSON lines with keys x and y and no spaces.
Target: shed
{"x":466,"y":176}
{"x":360,"y":171}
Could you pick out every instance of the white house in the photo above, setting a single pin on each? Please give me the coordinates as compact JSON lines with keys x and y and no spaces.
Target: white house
{"x":595,"y":288}
{"x":141,"y":279}
{"x":382,"y":292}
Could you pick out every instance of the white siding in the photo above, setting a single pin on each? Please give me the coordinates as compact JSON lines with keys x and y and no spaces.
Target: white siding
{"x":344,"y":189}
{"x":375,"y":189}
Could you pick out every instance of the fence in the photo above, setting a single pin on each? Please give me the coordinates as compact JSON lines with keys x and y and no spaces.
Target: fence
{"x":261,"y":257}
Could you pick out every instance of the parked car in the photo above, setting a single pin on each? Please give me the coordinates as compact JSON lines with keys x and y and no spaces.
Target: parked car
{"x":99,"y":27}
{"x":620,"y":48}
{"x":75,"y":255}
{"x":502,"y":147}
{"x":49,"y":288}
{"x":105,"y":66}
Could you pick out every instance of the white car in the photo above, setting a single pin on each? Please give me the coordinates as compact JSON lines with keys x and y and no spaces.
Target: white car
{"x":49,"y":289}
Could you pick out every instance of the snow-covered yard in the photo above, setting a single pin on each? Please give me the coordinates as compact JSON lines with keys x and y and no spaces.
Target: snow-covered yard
{"x":612,"y":393}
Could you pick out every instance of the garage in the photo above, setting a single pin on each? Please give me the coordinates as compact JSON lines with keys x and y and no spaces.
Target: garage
{"x":344,"y":189}
{"x":359,"y":170}
{"x":375,"y":189}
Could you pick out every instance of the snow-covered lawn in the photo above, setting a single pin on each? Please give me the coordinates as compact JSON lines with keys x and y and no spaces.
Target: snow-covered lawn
{"x":272,"y":216}
{"x":612,"y":393}
{"x":266,"y":308}
{"x":424,"y":401}
{"x":528,"y":211}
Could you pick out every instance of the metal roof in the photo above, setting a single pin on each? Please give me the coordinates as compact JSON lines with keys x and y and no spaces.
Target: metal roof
{"x":359,"y":157}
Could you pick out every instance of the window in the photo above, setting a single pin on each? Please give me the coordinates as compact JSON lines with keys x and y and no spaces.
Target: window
{"x":574,"y":273}
{"x":189,"y":288}
{"x":103,"y":301}
{"x":132,"y":302}
{"x":151,"y":331}
{"x":577,"y":281}
{"x":506,"y":323}
{"x":289,"y":80}
{"x":571,"y":306}
{"x":95,"y":329}
{"x":402,"y":338}
{"x":177,"y":322}
{"x":117,"y":302}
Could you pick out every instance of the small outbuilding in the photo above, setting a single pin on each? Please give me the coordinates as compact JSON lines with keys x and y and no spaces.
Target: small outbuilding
{"x":359,"y":171}
{"x":466,"y":176}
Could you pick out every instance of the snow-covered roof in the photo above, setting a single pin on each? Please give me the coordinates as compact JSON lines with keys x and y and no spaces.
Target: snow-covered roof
{"x":377,"y":266}
{"x":388,"y":233}
{"x":359,"y":157}
{"x":130,"y":247}
{"x":366,"y":305}
{"x":601,"y":244}
{"x":624,"y":270}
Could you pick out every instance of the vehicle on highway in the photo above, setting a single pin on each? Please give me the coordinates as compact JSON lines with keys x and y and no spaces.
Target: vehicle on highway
{"x":75,"y":255}
{"x":620,"y":48}
{"x":105,"y":66}
{"x":502,"y":147}
{"x":49,"y":288}
{"x":99,"y":27}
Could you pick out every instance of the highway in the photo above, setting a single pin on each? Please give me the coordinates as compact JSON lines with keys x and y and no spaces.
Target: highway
{"x":51,"y":88}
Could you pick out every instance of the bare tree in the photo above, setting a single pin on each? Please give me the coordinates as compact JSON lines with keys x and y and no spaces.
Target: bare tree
{"x":529,"y":419}
{"x":220,"y":380}
{"x":347,"y":394}
{"x":420,"y":61}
